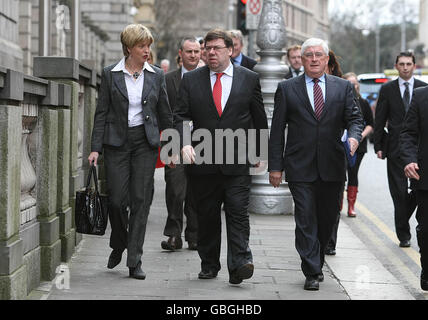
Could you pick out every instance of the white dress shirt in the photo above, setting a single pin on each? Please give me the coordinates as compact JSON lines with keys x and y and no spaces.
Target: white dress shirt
{"x":134,"y":88}
{"x":310,"y":88}
{"x":226,"y":83}
{"x":403,"y":87}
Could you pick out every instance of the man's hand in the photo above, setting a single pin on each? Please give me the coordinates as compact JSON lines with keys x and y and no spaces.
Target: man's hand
{"x":188,"y":154}
{"x":410,"y":171}
{"x":93,"y":157}
{"x":380,"y":154}
{"x":353,"y":145}
{"x":275,"y":178}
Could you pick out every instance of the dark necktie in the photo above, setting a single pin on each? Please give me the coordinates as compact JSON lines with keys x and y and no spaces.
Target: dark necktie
{"x":406,"y":96}
{"x":217,"y":94}
{"x":318,"y":98}
{"x":297,"y":71}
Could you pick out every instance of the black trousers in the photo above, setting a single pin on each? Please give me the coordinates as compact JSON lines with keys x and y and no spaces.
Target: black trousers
{"x":177,"y":193}
{"x":404,"y":202}
{"x":129,"y":174}
{"x":316,"y":208}
{"x":422,"y":228}
{"x":210,"y":191}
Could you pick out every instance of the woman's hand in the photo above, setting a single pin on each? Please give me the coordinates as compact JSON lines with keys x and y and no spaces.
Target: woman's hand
{"x":93,"y":158}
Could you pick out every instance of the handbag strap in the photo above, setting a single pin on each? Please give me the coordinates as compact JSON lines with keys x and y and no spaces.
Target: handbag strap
{"x":92,"y":172}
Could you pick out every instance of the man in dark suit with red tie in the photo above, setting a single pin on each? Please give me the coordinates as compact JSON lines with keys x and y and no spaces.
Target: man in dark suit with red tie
{"x":317,"y":108}
{"x":393,"y":103}
{"x":219,"y":97}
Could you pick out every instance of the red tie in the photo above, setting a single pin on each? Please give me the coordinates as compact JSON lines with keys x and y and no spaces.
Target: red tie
{"x":217,"y":94}
{"x":318,"y":98}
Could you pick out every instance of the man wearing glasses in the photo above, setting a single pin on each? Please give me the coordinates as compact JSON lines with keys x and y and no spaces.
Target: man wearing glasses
{"x":218,"y":97}
{"x":317,"y":108}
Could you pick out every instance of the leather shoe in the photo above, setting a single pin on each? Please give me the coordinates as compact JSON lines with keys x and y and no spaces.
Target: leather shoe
{"x":330,"y":251}
{"x":244,"y":272}
{"x":320,"y":277}
{"x":115,"y":258}
{"x":192,"y":245}
{"x":207,"y":274}
{"x":172,"y":244}
{"x":311,"y":284}
{"x":137,"y":272}
{"x":405,"y":243}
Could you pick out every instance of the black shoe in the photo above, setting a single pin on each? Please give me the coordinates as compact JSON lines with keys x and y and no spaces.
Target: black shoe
{"x":424,"y":282}
{"x":115,"y":258}
{"x":192,"y":245}
{"x":172,"y":244}
{"x":137,"y":272}
{"x":321,"y":277}
{"x":207,"y":274}
{"x":405,"y":243}
{"x":312,"y":284}
{"x":244,"y":272}
{"x":330,"y":251}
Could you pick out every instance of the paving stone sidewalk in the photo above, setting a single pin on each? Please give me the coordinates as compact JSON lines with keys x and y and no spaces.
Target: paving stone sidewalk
{"x":174,"y":275}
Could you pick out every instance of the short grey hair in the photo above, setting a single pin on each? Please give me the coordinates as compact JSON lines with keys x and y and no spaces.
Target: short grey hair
{"x":315,"y":42}
{"x":188,"y":38}
{"x":237,"y":34}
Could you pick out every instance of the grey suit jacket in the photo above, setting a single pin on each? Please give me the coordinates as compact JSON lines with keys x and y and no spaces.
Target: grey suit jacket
{"x":314,"y":148}
{"x":111,"y":115}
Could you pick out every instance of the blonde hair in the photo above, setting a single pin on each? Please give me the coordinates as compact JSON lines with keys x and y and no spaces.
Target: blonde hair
{"x":133,"y":34}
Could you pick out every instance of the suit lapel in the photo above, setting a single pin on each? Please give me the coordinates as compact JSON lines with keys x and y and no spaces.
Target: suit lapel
{"x":177,"y":79}
{"x":119,"y":81}
{"x":397,"y":93}
{"x":149,"y":79}
{"x":237,"y":81}
{"x":330,"y":87}
{"x":302,"y":93}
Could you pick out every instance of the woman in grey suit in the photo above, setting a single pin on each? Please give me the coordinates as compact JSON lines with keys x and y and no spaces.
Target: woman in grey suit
{"x":132,"y":109}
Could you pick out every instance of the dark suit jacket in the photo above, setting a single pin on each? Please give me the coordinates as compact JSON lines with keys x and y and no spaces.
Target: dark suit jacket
{"x":248,"y":62}
{"x":390,"y":108}
{"x":111,"y":115}
{"x":244,"y":109}
{"x":414,"y":137}
{"x":314,"y":148}
{"x":173,"y":80}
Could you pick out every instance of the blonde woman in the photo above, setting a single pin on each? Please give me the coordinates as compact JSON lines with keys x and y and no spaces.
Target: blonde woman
{"x":132,"y":109}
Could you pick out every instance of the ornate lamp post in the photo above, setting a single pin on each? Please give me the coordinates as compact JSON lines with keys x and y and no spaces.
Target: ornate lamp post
{"x":271,"y":38}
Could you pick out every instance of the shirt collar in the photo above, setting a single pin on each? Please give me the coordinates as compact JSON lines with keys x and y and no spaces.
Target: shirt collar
{"x":228,"y":71}
{"x":309,"y":79}
{"x":410,"y":81}
{"x":120,"y":66}
{"x":238,"y":59}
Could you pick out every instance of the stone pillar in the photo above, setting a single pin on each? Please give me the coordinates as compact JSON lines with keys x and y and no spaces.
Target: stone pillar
{"x":13,"y":273}
{"x":271,"y":39}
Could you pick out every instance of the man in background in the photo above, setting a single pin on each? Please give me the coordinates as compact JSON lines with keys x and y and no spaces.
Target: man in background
{"x":238,"y":58}
{"x":294,"y":58}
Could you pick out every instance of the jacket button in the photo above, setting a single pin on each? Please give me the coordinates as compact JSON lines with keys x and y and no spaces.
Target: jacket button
{"x":147,"y":117}
{"x":145,"y":101}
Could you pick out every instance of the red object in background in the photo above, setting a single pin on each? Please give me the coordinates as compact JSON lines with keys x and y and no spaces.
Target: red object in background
{"x":159,"y":163}
{"x":381,"y":80}
{"x":244,"y":1}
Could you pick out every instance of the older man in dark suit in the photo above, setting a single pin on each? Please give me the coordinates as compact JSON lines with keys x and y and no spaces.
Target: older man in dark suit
{"x":317,"y":108}
{"x":414,"y":152}
{"x":393,"y":103}
{"x":238,"y":58}
{"x":219,"y":97}
{"x":177,"y":190}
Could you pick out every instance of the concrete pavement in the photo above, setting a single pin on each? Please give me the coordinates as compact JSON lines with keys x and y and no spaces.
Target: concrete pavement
{"x":354,"y":273}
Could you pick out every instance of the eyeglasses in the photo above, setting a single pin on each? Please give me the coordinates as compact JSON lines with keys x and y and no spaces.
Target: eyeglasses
{"x":215,"y":48}
{"x":317,"y":55}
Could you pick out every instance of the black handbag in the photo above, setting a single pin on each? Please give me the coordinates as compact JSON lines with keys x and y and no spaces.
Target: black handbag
{"x":91,"y":208}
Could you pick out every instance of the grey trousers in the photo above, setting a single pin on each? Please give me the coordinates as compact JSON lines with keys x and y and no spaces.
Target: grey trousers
{"x":129,"y":173}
